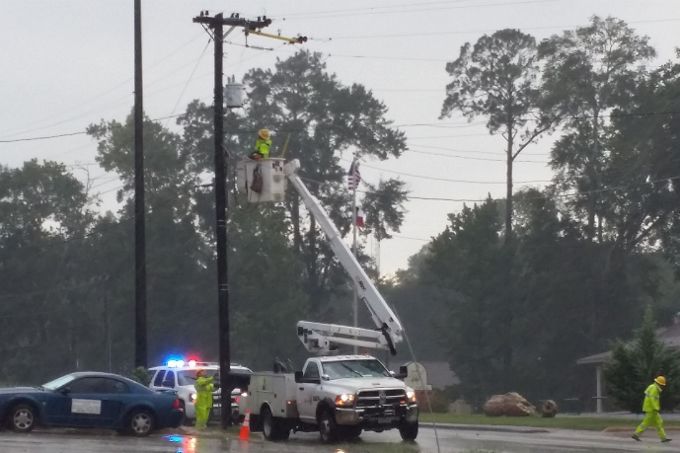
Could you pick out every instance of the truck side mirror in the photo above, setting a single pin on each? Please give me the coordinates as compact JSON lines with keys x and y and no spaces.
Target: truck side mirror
{"x":298,"y":377}
{"x":403,"y":373}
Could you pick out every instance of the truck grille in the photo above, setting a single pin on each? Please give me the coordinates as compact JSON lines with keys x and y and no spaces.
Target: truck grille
{"x":380,"y":398}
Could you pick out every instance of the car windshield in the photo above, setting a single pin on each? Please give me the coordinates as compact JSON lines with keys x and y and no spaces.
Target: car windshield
{"x":188,"y":377}
{"x":59,"y":382}
{"x":354,"y":368}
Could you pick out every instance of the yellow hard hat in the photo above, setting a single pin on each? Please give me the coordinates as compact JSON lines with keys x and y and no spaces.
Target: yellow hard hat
{"x":660,"y":380}
{"x":263,"y":134}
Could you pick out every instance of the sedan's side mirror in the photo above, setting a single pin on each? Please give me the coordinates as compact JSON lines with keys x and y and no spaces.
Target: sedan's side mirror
{"x":65,"y":390}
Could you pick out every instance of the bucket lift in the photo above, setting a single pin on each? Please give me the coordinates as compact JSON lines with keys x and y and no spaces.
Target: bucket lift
{"x":317,"y":337}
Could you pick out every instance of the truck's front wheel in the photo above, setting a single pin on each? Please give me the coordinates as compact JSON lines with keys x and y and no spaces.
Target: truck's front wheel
{"x":409,"y":431}
{"x":273,"y":428}
{"x":327,"y":427}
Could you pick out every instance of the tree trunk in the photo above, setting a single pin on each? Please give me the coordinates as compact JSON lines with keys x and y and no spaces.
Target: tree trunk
{"x":508,"y":182}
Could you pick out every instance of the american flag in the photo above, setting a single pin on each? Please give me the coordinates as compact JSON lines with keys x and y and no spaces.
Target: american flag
{"x":353,"y":175}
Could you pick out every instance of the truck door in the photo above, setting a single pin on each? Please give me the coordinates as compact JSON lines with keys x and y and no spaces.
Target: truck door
{"x":307,"y":392}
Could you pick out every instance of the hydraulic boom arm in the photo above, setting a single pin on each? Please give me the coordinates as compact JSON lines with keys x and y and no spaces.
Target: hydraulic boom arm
{"x":322,"y":338}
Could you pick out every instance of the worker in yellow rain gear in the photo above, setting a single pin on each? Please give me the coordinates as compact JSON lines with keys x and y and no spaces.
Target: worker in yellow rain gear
{"x":651,"y":407}
{"x":204,"y":398}
{"x":262,"y":145}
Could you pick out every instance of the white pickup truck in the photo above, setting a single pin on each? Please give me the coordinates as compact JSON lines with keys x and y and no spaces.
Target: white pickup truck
{"x":339,"y":396}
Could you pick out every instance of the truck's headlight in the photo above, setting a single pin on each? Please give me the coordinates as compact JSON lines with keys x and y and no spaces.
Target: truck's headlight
{"x":411,"y":396}
{"x":346,"y":399}
{"x":193,"y":397}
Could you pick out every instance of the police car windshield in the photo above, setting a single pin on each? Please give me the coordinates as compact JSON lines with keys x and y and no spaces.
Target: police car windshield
{"x":354,"y":368}
{"x":188,"y":377}
{"x":59,"y":382}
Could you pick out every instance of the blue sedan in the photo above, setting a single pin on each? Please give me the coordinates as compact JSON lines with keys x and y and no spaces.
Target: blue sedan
{"x":90,"y":400}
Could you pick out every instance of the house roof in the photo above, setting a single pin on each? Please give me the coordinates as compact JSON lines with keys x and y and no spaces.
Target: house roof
{"x":670,"y":336}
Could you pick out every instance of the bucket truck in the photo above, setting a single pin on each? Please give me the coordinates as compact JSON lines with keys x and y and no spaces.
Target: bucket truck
{"x":337,"y":395}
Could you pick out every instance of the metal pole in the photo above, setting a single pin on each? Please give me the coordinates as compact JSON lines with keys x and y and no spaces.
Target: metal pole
{"x":140,"y":244}
{"x":355,"y":304}
{"x":598,"y":388}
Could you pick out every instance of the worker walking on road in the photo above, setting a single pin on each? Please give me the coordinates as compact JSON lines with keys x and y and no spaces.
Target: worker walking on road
{"x":651,"y":407}
{"x":204,"y":398}
{"x":262,"y":145}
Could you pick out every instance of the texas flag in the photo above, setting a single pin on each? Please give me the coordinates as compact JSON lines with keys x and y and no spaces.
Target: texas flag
{"x":360,"y":218}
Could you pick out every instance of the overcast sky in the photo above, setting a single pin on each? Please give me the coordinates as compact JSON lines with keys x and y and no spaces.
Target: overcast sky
{"x":69,"y":63}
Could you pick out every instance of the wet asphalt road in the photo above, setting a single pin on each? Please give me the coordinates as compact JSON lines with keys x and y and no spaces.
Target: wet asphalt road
{"x":454,"y":441}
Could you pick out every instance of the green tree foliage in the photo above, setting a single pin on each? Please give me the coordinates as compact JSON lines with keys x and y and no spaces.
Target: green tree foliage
{"x":498,"y":78}
{"x":642,"y":144}
{"x":588,"y":72}
{"x":44,"y":216}
{"x":322,"y":120}
{"x":384,"y":208}
{"x":634,"y":366}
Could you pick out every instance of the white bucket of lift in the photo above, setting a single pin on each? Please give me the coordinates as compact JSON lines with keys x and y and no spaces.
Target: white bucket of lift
{"x":273,"y":179}
{"x":234,"y":94}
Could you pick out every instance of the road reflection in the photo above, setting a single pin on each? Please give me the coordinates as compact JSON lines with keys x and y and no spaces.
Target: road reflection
{"x":183,"y":444}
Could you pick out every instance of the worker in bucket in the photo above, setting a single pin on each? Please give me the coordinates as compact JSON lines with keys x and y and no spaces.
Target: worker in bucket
{"x":651,"y":407}
{"x":262,"y":145}
{"x":204,"y":398}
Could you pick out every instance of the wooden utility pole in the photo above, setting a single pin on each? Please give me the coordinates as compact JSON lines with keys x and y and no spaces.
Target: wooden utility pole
{"x":216,"y":24}
{"x":140,"y":242}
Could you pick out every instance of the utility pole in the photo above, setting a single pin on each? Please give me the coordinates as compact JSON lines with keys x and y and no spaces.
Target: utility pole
{"x":216,"y":24}
{"x":355,"y":301}
{"x":140,"y":243}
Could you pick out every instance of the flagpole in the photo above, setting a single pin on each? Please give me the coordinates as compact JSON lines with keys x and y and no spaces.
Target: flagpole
{"x":355,"y":305}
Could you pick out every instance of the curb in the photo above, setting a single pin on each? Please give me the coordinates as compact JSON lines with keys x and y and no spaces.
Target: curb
{"x":496,"y":428}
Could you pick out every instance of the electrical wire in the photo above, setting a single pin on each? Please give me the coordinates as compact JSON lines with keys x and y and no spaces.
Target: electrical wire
{"x":411,"y":9}
{"x":486,"y":30}
{"x":459,"y":181}
{"x":454,"y":156}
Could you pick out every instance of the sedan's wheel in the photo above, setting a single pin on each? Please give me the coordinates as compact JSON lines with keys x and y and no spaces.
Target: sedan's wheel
{"x":328,"y":430}
{"x":140,"y":423}
{"x":22,"y":418}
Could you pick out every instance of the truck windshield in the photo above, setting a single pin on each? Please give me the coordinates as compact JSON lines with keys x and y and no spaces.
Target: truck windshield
{"x":354,"y":368}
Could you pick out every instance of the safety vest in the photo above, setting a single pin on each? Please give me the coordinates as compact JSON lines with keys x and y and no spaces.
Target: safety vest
{"x":204,"y":389}
{"x":652,"y":403}
{"x":262,"y":147}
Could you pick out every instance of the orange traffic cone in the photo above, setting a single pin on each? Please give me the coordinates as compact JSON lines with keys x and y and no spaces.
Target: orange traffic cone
{"x":244,"y":434}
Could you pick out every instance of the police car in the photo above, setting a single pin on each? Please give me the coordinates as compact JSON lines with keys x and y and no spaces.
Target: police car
{"x":180,"y":375}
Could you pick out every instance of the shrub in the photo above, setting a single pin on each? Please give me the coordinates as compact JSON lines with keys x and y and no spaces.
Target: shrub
{"x":634,"y":366}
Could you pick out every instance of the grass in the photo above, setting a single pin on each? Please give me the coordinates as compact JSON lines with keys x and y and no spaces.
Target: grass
{"x":562,"y":422}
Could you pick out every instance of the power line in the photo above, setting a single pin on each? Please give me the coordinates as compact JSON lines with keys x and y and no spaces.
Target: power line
{"x":416,"y":9}
{"x":473,"y":151}
{"x":410,"y":238}
{"x":454,"y":156}
{"x":382,"y":57}
{"x":486,"y":30}
{"x":43,"y":137}
{"x":459,"y":181}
